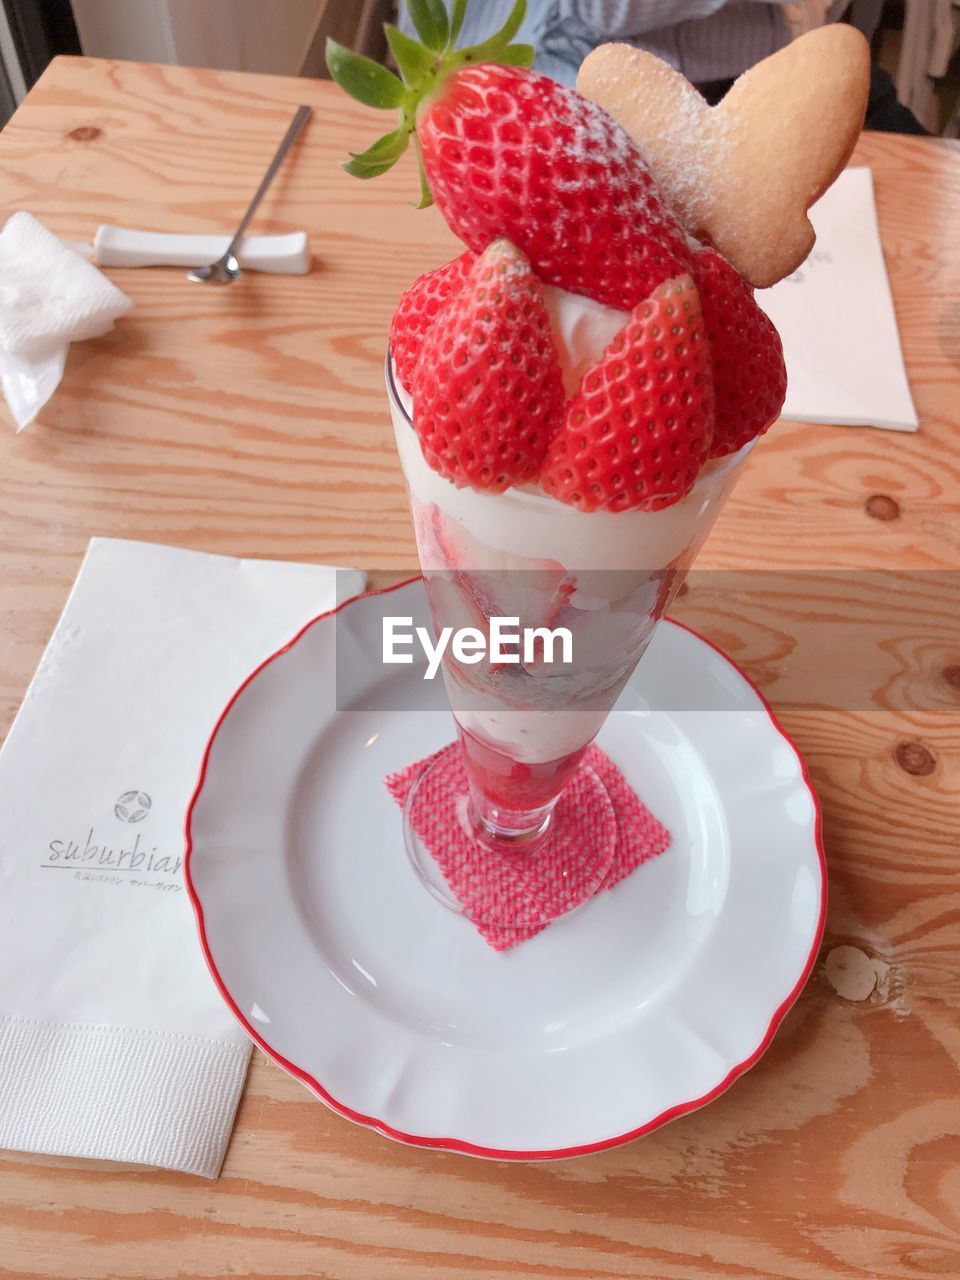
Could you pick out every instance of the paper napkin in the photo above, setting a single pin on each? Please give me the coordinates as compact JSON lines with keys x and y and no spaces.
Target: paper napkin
{"x":114,"y":1042}
{"x":50,"y":296}
{"x":836,"y":318}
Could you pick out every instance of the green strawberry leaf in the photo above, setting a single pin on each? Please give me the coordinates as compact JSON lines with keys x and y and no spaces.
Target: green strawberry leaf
{"x":456,"y":19}
{"x":512,"y":25}
{"x":426,"y":196}
{"x":516,"y":55}
{"x":414,"y":59}
{"x":361,"y":169}
{"x":429,"y":18}
{"x":364,"y":79}
{"x":390,"y":147}
{"x":442,"y":19}
{"x":490,"y":50}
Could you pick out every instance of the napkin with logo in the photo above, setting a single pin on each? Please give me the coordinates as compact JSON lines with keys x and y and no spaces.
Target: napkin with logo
{"x":114,"y":1042}
{"x":836,"y":318}
{"x":50,"y":296}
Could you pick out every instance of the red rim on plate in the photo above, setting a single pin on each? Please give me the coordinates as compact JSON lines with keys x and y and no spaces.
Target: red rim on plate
{"x":457,"y":1144}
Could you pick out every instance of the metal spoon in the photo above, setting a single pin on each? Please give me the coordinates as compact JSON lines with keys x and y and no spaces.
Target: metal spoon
{"x":227,"y":268}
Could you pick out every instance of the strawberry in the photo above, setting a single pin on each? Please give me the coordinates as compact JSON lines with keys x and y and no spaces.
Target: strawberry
{"x":640,"y":427}
{"x":417,"y":310}
{"x":487,"y":389}
{"x":749,"y":376}
{"x":512,"y":153}
{"x":507,"y":152}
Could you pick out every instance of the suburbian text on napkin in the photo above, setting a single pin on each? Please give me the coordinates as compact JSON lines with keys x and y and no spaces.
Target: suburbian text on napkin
{"x":90,"y":854}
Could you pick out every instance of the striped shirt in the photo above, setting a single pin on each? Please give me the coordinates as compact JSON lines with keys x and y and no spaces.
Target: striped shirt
{"x":705,"y":39}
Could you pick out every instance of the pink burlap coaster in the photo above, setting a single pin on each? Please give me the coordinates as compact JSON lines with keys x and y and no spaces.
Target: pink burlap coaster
{"x":529,"y":891}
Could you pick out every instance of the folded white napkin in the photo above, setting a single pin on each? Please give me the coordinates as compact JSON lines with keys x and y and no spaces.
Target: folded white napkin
{"x":836,"y":318}
{"x":114,"y":1043}
{"x":50,"y":296}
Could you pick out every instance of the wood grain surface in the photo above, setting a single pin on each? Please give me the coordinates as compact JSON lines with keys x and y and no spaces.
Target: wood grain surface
{"x":252,"y":421}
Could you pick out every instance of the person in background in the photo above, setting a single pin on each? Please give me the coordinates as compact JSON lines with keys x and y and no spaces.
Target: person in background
{"x":710,"y":41}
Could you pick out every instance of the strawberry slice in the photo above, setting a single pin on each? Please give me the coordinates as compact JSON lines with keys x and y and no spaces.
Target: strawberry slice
{"x":638,"y":430}
{"x":509,"y":152}
{"x":749,"y":375}
{"x":487,"y":389}
{"x":418,"y":308}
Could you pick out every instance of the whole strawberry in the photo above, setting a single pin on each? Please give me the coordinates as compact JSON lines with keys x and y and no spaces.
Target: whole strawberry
{"x":510,"y":152}
{"x":749,"y":375}
{"x":638,"y":431}
{"x":418,"y":308}
{"x":487,"y":388}
{"x":507,"y":152}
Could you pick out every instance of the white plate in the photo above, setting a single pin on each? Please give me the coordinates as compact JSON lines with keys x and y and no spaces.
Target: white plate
{"x":644,"y":1004}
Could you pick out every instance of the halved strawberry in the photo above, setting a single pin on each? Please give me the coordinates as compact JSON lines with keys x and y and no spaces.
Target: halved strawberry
{"x":749,"y":375}
{"x":640,"y":426}
{"x":418,"y":308}
{"x":487,"y":389}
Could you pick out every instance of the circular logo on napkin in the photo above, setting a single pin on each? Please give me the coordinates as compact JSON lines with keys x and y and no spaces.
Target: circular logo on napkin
{"x":133,"y":806}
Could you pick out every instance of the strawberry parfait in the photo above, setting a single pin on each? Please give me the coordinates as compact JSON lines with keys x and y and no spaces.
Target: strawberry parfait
{"x":573,"y":398}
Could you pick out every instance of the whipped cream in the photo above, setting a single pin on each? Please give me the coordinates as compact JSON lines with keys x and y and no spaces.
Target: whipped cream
{"x":582,"y":331}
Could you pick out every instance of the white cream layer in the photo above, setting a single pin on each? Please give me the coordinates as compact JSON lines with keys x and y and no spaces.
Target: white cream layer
{"x":582,"y":331}
{"x":526,"y":522}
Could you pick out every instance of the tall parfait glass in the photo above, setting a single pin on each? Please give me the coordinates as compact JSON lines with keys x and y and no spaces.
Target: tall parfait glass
{"x":524,"y":724}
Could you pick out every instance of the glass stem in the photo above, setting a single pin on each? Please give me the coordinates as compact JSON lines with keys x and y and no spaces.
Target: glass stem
{"x":507,"y":830}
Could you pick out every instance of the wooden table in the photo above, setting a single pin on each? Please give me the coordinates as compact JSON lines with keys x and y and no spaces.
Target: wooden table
{"x":252,"y":421}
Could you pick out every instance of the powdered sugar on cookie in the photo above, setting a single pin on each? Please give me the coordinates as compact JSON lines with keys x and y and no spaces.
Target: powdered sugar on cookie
{"x":741,"y":176}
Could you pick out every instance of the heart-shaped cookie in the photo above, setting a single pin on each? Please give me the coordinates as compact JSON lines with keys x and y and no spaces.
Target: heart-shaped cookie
{"x":742,"y":175}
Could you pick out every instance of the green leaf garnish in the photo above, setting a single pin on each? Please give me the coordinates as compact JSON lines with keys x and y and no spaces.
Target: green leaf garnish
{"x":364,"y":79}
{"x":383,"y":155}
{"x":426,"y":196}
{"x":456,"y":20}
{"x":414,"y":60}
{"x":517,"y":55}
{"x":357,"y":169}
{"x":429,"y":18}
{"x":515,"y":21}
{"x":492,"y":50}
